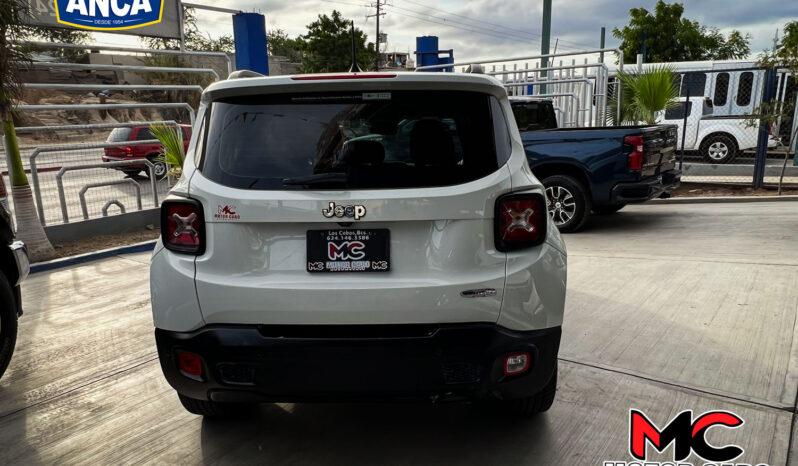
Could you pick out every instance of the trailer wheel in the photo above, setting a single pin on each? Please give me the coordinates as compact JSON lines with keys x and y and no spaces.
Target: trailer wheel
{"x":719,"y":149}
{"x":568,"y":202}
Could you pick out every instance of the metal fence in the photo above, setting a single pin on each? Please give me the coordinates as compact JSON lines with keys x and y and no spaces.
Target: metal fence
{"x":70,"y":179}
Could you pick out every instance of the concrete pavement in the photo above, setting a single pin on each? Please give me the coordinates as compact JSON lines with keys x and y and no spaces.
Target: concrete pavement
{"x":670,"y":307}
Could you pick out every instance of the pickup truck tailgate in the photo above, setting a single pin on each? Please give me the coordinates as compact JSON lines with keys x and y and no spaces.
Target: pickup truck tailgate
{"x":659,"y":154}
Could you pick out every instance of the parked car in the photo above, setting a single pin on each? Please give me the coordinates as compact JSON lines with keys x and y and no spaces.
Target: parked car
{"x":358,"y":237}
{"x":599,"y":169}
{"x":145,"y":151}
{"x":14,"y":268}
{"x":719,"y":139}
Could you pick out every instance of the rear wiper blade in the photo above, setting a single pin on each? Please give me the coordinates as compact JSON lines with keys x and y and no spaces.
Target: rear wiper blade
{"x":318,"y":179}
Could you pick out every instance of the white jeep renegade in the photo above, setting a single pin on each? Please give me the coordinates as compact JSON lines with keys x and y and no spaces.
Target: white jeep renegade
{"x":357,"y":237}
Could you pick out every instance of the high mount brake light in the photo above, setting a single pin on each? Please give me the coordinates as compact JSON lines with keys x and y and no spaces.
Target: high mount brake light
{"x":635,"y":160}
{"x":520,"y":221}
{"x":183,"y":226}
{"x":319,"y":77}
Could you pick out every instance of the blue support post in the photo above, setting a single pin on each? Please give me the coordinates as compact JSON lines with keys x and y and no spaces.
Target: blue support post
{"x":249,"y":32}
{"x":762,"y":143}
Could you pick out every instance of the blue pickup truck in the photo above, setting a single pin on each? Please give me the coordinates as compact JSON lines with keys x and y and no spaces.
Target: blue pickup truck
{"x":598,"y":170}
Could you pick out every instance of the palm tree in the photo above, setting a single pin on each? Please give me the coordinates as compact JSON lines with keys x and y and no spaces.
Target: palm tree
{"x":29,"y":228}
{"x":644,"y":95}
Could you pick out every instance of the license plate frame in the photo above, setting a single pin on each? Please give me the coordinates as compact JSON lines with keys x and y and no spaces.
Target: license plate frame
{"x":353,"y":250}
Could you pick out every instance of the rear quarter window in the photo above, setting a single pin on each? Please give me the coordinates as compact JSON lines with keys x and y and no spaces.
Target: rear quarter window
{"x":355,"y":140}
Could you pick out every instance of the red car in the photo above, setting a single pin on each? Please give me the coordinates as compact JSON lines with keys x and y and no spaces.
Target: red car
{"x":144,"y":151}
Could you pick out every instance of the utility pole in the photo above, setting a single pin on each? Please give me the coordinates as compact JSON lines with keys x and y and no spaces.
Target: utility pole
{"x":378,"y":5}
{"x":544,"y":41}
{"x":601,"y":44}
{"x":776,"y":40}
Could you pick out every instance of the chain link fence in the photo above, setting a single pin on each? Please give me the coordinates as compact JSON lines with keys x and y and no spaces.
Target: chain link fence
{"x":720,"y":138}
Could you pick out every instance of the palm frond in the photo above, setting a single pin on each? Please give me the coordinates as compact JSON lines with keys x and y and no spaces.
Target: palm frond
{"x":171,"y":139}
{"x":649,"y":92}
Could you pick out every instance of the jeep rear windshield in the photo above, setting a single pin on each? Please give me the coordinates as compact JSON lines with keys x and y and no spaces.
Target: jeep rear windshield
{"x":366,"y":140}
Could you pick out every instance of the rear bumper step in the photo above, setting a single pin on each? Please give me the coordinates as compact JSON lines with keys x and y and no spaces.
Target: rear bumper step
{"x":647,"y":189}
{"x":332,"y":363}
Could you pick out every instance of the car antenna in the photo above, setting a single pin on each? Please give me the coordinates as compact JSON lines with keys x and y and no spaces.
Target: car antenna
{"x":355,"y":68}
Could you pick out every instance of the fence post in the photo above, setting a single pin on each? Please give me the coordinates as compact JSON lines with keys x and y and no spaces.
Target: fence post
{"x":762,"y":143}
{"x":687,"y":110}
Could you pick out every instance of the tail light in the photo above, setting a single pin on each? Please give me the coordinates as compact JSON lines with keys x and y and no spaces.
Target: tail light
{"x":517,"y":363}
{"x":520,"y":221}
{"x":129,"y":150}
{"x":635,"y":160}
{"x":183,"y":226}
{"x":190,"y":365}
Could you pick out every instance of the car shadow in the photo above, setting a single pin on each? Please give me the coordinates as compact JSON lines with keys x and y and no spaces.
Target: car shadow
{"x":453,"y":433}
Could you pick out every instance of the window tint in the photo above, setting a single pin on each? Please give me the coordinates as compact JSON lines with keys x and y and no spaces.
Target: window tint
{"x":677,"y":112}
{"x":144,"y":134}
{"x":186,"y":133}
{"x":534,"y":116}
{"x":695,"y":82}
{"x":721,"y":89}
{"x":366,"y":140}
{"x":745,"y":88}
{"x":119,"y":135}
{"x":501,"y":133}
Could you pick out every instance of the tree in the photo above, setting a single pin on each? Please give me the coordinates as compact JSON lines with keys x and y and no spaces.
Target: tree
{"x":783,"y":57}
{"x":278,"y":43}
{"x":670,"y":37}
{"x":644,"y":95}
{"x":194,"y":39}
{"x":29,"y":228}
{"x":328,"y":45}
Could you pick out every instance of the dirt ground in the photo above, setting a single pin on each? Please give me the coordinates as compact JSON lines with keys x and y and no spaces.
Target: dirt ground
{"x":710,"y":190}
{"x":98,"y":243}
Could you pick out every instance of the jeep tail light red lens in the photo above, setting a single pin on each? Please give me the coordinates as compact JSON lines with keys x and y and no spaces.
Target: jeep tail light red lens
{"x":183,"y":226}
{"x":516,"y":363}
{"x":635,"y":160}
{"x":190,"y":364}
{"x":520,"y":221}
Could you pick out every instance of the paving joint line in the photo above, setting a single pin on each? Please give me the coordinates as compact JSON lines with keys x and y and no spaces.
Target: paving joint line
{"x":671,"y":259}
{"x":789,"y":409}
{"x":88,"y":384}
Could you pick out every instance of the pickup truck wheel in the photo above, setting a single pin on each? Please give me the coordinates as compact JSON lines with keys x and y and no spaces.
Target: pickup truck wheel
{"x":719,"y":149}
{"x":8,"y":323}
{"x":212,"y":409}
{"x":607,"y":209}
{"x":568,"y":202}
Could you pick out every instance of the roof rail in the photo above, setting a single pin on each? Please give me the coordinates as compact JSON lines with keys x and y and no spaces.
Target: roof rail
{"x":245,"y":74}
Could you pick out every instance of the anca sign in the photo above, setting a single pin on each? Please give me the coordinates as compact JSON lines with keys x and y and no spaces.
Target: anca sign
{"x":109,"y":15}
{"x":152,"y":18}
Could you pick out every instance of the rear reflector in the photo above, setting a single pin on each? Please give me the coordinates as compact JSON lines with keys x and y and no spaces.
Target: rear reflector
{"x":318,"y":77}
{"x":635,"y":160}
{"x":517,"y":363}
{"x":183,"y":226}
{"x":520,"y":221}
{"x":190,"y":364}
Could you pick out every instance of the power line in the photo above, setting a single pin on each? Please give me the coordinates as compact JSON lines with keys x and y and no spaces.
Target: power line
{"x":519,"y":31}
{"x":464,"y":26}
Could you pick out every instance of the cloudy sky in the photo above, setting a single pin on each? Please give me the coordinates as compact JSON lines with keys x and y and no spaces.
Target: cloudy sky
{"x":490,"y":28}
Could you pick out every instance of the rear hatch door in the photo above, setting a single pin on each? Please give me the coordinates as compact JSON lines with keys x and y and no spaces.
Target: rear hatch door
{"x":350,"y":208}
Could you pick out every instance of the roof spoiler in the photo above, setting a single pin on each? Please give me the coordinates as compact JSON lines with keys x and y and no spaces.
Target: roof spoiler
{"x":245,"y":74}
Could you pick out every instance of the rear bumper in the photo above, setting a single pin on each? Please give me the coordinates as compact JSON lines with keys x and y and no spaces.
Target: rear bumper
{"x":647,"y":189}
{"x":368,"y":362}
